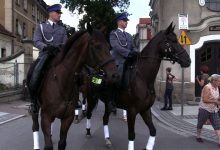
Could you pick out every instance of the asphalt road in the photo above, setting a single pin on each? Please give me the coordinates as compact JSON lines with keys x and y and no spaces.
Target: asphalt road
{"x":17,"y":135}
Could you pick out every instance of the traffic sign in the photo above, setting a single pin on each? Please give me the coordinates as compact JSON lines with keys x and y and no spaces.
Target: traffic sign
{"x":184,"y":39}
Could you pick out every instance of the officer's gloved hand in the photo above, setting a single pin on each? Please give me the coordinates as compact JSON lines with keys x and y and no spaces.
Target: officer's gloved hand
{"x":51,"y":50}
{"x":133,"y":55}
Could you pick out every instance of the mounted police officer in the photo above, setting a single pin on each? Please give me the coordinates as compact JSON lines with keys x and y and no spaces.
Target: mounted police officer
{"x":122,"y":46}
{"x":49,"y":38}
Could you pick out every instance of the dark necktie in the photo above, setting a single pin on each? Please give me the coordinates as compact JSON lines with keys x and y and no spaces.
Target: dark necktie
{"x":53,"y":25}
{"x":124,"y":33}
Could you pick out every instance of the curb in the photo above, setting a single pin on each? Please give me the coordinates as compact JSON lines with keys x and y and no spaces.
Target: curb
{"x":182,"y":126}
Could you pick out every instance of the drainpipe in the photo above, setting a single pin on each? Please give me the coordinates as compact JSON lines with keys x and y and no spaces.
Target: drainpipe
{"x":13,"y":31}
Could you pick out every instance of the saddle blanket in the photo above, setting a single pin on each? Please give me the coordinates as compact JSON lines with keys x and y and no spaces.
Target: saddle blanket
{"x":7,"y":117}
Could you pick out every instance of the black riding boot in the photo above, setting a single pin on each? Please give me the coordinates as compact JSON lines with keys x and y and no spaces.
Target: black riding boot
{"x":35,"y":81}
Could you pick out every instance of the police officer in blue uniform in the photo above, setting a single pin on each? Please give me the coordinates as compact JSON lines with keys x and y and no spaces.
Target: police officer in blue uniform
{"x":49,"y":38}
{"x":122,"y":46}
{"x":121,"y":41}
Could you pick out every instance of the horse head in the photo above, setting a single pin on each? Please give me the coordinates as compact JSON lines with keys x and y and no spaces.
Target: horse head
{"x":171,"y":49}
{"x":99,"y":56}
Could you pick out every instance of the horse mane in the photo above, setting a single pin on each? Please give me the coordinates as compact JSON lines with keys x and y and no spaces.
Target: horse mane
{"x":149,"y":43}
{"x":70,"y":41}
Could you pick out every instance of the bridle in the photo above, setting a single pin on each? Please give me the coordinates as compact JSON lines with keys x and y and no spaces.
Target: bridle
{"x":98,"y":69}
{"x":168,"y":54}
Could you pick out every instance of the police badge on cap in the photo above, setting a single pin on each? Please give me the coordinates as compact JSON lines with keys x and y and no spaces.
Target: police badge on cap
{"x":55,"y":7}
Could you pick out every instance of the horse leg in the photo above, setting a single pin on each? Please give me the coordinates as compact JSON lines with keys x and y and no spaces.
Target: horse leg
{"x":76,"y":119}
{"x":51,"y":127}
{"x":46,"y":128}
{"x":91,"y":105}
{"x":147,"y":117}
{"x":106,"y":128}
{"x":35,"y":129}
{"x":84,"y":106}
{"x":65,"y":125}
{"x":131,"y":116}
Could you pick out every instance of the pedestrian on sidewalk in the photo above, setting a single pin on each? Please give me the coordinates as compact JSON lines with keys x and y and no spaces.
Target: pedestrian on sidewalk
{"x":208,"y":107}
{"x":203,"y":77}
{"x":168,"y":90}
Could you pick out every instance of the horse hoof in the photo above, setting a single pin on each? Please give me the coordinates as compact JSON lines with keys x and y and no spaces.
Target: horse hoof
{"x":88,"y":135}
{"x":76,"y":121}
{"x":108,"y":143}
{"x":124,"y":118}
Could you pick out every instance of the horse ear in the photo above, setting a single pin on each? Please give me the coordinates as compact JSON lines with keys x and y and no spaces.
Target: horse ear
{"x":89,"y":28}
{"x":169,"y":29}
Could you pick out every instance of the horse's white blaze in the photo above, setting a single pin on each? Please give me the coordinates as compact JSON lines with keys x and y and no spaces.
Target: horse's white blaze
{"x":131,"y":145}
{"x":36,"y":140}
{"x":83,"y":107}
{"x":76,"y":112}
{"x":150,"y":143}
{"x":106,"y":131}
{"x":88,"y":123}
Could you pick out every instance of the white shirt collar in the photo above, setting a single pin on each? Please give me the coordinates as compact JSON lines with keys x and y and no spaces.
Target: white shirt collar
{"x":121,"y":29}
{"x":51,"y":22}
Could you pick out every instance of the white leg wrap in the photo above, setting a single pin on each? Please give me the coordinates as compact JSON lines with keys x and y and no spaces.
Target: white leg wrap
{"x":150,"y":143}
{"x":88,"y":124}
{"x":76,"y":112}
{"x":124,"y":113}
{"x":36,"y":140}
{"x":106,"y":131}
{"x":131,"y":145}
{"x":51,"y":128}
{"x":83,"y":107}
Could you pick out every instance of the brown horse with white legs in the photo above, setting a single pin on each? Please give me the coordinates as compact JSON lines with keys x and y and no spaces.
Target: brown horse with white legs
{"x":139,"y":95}
{"x":59,"y":92}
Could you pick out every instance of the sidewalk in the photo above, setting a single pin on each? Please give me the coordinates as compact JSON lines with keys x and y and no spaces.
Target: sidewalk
{"x":186,"y":123}
{"x":12,"y":110}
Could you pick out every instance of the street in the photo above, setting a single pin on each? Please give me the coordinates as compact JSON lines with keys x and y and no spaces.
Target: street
{"x":17,"y":135}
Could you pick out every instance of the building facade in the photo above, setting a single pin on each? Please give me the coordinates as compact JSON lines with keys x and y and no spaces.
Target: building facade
{"x":203,"y":32}
{"x":143,"y":33}
{"x":18,"y":19}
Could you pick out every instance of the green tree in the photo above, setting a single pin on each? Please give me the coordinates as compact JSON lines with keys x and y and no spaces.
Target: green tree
{"x":98,"y":12}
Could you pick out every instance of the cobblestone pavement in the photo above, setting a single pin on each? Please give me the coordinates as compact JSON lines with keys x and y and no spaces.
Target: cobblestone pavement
{"x":185,"y":123}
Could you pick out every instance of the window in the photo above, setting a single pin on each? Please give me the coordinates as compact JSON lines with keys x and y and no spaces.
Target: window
{"x":18,"y":2}
{"x":24,"y":30}
{"x":33,"y":30}
{"x":219,"y":53}
{"x":38,"y":14}
{"x":16,"y":26}
{"x":206,"y":55}
{"x":213,"y":5}
{"x":3,"y":52}
{"x":33,"y":10}
{"x":25,"y":4}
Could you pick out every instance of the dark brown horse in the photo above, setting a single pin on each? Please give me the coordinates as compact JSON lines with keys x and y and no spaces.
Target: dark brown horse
{"x":140,"y":94}
{"x":58,"y":92}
